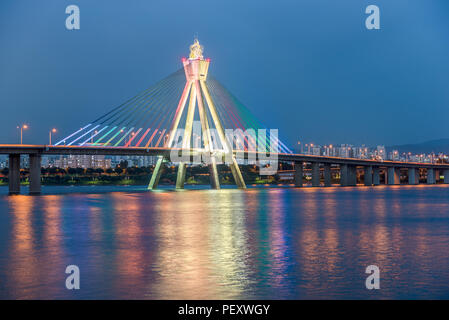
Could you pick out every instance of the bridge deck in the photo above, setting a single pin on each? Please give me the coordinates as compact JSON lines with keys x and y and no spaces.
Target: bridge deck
{"x":142,"y":151}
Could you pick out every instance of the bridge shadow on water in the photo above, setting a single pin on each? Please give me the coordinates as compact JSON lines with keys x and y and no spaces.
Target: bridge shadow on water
{"x":273,"y":243}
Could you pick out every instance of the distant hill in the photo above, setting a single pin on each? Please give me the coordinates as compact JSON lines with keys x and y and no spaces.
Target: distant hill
{"x":436,"y":146}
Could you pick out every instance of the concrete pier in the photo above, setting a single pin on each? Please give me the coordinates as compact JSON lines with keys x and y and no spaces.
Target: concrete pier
{"x":156,"y":177}
{"x":14,"y":174}
{"x":315,"y":174}
{"x":393,"y":176}
{"x":327,"y":175}
{"x":352,"y":170}
{"x":213,"y":175}
{"x":431,"y":176}
{"x":35,"y":173}
{"x":348,"y":175}
{"x":446,"y":176}
{"x":376,"y":176}
{"x":413,"y":176}
{"x":368,"y":175}
{"x":344,"y":175}
{"x":299,"y":173}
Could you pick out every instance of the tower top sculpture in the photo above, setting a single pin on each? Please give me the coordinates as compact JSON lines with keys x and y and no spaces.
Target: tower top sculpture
{"x":196,"y":50}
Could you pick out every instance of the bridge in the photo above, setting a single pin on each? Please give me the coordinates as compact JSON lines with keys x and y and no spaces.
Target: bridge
{"x":161,"y":121}
{"x":320,"y":166}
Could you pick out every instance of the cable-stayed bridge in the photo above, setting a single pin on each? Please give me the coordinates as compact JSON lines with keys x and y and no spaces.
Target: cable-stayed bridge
{"x":189,"y":115}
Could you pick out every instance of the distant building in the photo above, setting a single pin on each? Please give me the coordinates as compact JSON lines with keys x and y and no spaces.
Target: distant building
{"x":394,"y":155}
{"x":83,"y":161}
{"x":380,"y":152}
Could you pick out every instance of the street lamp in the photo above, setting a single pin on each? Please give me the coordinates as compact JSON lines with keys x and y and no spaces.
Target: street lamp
{"x":24,"y":126}
{"x":166,"y":139}
{"x":49,"y":134}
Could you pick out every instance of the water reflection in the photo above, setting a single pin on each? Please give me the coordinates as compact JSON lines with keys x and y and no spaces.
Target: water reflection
{"x":228,"y":244}
{"x":22,"y":255}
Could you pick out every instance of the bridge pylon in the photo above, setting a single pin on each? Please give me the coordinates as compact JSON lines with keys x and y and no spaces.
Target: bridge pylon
{"x":196,"y":69}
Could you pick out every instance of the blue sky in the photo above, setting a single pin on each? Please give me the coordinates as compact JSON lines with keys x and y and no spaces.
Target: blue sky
{"x":309,"y":68}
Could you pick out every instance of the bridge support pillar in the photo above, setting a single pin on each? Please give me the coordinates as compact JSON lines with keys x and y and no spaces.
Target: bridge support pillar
{"x":431,"y":176}
{"x":315,"y":174}
{"x":376,"y":176}
{"x":368,"y":179}
{"x":413,"y":176}
{"x":348,"y":175}
{"x":156,"y":173}
{"x":352,"y":176}
{"x":446,"y":176}
{"x":181,"y":176}
{"x":35,"y":173}
{"x":344,"y":175}
{"x":299,"y":174}
{"x":14,"y":174}
{"x":327,"y":175}
{"x":213,"y":174}
{"x":393,"y":176}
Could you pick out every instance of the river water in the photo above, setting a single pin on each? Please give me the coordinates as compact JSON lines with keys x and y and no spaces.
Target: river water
{"x":261,"y":243}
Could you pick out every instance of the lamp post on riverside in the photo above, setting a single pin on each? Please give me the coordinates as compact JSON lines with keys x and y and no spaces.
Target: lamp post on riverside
{"x":24,"y":126}
{"x":49,"y":134}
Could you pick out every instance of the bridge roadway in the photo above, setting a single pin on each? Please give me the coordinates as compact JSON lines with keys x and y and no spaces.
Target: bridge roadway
{"x":348,"y":166}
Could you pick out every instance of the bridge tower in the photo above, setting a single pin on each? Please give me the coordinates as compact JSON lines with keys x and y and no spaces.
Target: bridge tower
{"x":196,"y":68}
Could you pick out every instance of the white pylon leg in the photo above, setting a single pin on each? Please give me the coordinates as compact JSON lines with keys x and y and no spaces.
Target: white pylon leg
{"x":212,"y":163}
{"x":156,"y":173}
{"x":181,"y":176}
{"x":234,"y":165}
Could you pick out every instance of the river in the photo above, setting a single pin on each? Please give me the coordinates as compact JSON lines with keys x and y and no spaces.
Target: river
{"x":261,"y":243}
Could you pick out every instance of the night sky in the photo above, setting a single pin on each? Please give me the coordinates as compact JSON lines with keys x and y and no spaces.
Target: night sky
{"x":309,"y":68}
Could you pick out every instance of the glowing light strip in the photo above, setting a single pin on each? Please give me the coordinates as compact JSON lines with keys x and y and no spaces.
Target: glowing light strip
{"x":144,"y":135}
{"x":66,"y":138}
{"x":91,"y":137}
{"x":83,"y":135}
{"x":129,"y":131}
{"x":160,"y":137}
{"x":115,"y":135}
{"x":164,"y":118}
{"x":107,"y":133}
{"x":132,"y":138}
{"x":151,"y":138}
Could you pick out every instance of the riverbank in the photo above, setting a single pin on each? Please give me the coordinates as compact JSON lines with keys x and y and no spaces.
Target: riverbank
{"x":195,"y":175}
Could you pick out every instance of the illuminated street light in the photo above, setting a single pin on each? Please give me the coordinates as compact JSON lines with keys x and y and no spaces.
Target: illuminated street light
{"x":49,"y":134}
{"x":24,"y":126}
